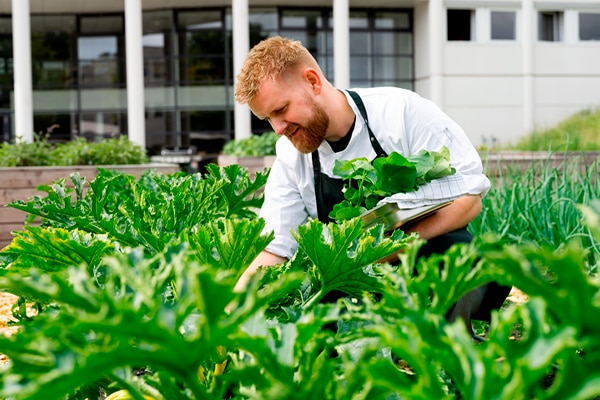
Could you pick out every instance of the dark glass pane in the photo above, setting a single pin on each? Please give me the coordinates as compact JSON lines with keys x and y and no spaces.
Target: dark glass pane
{"x":160,"y":131}
{"x":360,"y":68}
{"x":51,"y":74}
{"x":97,"y":47}
{"x":6,"y":63}
{"x":206,"y":129}
{"x":259,"y":125}
{"x":5,"y":25}
{"x":504,"y":25}
{"x":99,"y":73}
{"x":459,"y":24}
{"x":52,"y":23}
{"x":57,"y":127}
{"x":203,"y":121}
{"x":307,"y":19}
{"x":392,"y":20}
{"x":198,"y":20}
{"x":157,"y":61}
{"x":202,"y":43}
{"x":5,"y":132}
{"x":159,"y":121}
{"x":6,"y":97}
{"x":392,"y":43}
{"x":360,"y":43}
{"x":52,"y":46}
{"x":358,"y":83}
{"x":101,"y":24}
{"x":550,"y":26}
{"x":310,"y":39}
{"x":99,"y":125}
{"x":206,"y":69}
{"x":327,"y":67}
{"x":390,"y":68}
{"x":359,"y":20}
{"x":589,"y":26}
{"x":156,"y":21}
{"x":52,"y":54}
{"x":263,"y":19}
{"x":156,"y":71}
{"x":98,"y":64}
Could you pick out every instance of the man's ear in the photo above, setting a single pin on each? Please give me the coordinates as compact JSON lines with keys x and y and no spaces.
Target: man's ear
{"x":314,"y":79}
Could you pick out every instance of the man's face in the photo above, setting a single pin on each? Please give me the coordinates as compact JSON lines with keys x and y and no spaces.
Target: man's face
{"x":292,"y":112}
{"x":312,"y":134}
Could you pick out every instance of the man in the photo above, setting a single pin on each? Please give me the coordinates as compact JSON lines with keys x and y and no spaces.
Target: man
{"x":283,"y":84}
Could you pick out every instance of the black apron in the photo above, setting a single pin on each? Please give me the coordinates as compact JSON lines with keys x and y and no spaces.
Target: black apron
{"x":328,"y":190}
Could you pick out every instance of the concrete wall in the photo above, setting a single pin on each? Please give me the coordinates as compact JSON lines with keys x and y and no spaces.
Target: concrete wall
{"x":484,"y":81}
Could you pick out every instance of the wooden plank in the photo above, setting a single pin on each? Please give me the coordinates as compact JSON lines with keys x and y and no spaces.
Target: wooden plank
{"x":8,"y":195}
{"x":32,"y":177}
{"x":10,"y":215}
{"x":6,"y":229}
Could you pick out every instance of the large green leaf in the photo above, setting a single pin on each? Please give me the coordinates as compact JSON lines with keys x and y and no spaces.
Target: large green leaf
{"x":342,"y":252}
{"x":53,"y":251}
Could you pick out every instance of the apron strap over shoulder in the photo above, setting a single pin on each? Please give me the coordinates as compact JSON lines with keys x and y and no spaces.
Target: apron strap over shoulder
{"x":363,"y":112}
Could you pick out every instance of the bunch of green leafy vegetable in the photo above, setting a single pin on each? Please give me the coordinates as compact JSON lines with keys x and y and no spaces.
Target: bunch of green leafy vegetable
{"x":367,"y":183}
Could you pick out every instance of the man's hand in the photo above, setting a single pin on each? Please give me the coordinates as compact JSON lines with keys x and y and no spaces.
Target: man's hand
{"x":264,"y":259}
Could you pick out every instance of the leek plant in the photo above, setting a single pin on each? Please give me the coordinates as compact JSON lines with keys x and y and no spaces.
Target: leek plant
{"x":540,"y":205}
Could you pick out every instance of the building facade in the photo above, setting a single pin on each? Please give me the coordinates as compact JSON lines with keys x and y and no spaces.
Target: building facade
{"x":500,"y":68}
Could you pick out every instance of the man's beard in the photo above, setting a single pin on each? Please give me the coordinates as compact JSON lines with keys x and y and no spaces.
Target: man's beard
{"x":313,"y":132}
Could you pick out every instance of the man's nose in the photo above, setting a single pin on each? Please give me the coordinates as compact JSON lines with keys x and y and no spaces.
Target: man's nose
{"x":279,"y":126}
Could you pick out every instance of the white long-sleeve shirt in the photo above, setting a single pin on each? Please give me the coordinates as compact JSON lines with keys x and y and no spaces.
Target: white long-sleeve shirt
{"x":402,"y":121}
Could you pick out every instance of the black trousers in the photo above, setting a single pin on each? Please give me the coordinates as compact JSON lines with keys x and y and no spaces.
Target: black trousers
{"x":495,"y":294}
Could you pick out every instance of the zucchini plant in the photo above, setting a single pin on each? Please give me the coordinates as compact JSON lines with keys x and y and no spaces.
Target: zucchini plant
{"x":136,"y":296}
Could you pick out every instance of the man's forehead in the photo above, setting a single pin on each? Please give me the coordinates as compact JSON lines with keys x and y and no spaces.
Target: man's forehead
{"x":268,"y":98}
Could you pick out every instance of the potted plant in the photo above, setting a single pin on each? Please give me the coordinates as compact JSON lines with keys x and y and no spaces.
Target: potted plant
{"x":26,"y":166}
{"x":256,"y":152}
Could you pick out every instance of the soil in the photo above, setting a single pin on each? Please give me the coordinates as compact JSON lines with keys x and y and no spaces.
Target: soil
{"x":6,"y":302}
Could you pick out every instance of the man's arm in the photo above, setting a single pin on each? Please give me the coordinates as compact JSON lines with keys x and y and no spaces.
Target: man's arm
{"x":264,"y":259}
{"x":454,"y":216}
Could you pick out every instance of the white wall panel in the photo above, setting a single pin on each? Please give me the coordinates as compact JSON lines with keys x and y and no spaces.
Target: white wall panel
{"x":483,"y":91}
{"x":482,"y":59}
{"x":564,"y":59}
{"x":578,"y":91}
{"x":488,"y":126}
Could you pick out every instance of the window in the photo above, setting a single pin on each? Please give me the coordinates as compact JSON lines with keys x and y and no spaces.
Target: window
{"x":589,"y":26}
{"x":305,"y":19}
{"x":460,"y":25}
{"x":202,"y":48}
{"x":504,"y":25}
{"x":550,"y":26}
{"x":98,"y":62}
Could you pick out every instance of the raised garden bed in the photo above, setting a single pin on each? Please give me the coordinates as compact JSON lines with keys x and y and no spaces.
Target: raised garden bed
{"x":21,"y":183}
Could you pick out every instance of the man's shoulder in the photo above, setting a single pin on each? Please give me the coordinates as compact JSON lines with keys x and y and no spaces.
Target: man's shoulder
{"x":384,"y":94}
